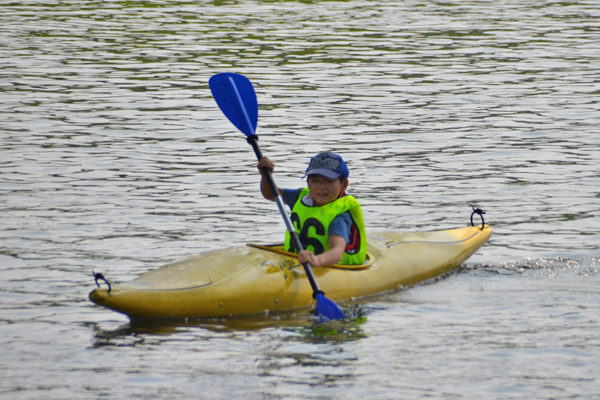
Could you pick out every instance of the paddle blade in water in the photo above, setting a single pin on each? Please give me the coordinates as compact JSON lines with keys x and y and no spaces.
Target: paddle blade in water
{"x":236,"y":97}
{"x":327,"y":308}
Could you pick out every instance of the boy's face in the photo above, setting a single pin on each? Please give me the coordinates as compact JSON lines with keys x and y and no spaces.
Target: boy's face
{"x":324,"y":190}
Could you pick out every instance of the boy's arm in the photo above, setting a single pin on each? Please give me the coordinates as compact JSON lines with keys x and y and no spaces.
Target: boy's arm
{"x":337,"y":246}
{"x":264,"y":185}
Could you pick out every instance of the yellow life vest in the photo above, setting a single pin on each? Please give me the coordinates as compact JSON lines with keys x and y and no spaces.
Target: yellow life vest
{"x":312,"y":226}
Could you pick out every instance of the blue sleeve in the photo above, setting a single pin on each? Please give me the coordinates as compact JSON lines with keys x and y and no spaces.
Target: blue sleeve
{"x":341,"y":226}
{"x":290,"y":196}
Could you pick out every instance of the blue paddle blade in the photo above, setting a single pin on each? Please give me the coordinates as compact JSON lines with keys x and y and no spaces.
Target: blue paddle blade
{"x":236,"y":97}
{"x":327,"y":308}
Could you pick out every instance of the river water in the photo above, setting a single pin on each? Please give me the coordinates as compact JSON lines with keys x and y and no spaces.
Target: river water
{"x":114,"y":158}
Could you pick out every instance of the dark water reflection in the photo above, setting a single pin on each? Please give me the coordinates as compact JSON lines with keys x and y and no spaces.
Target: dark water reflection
{"x":115,"y":158}
{"x":300,"y":326}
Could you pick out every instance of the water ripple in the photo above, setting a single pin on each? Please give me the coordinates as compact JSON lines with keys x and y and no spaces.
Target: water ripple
{"x":115,"y":158}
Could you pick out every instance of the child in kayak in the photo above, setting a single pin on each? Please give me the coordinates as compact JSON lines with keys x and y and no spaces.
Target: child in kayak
{"x":338,"y":232}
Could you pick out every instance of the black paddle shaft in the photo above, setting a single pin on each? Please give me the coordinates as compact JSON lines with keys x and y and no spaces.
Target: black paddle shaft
{"x":253,"y":140}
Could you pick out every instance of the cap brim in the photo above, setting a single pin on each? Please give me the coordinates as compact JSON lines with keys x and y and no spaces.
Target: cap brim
{"x":325,"y":172}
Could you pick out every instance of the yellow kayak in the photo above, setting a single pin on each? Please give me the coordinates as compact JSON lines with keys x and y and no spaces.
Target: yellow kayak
{"x":254,"y":279}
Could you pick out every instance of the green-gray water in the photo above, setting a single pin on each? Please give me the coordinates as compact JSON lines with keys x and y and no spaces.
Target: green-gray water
{"x":115,"y":158}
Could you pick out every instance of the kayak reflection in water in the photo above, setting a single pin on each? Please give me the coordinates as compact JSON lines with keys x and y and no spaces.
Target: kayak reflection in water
{"x":338,"y":235}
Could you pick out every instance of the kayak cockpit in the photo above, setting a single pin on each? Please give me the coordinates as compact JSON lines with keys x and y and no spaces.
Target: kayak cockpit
{"x":279,"y":249}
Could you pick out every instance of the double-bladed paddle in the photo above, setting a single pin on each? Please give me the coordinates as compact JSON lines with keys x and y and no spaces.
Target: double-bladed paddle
{"x":236,"y":97}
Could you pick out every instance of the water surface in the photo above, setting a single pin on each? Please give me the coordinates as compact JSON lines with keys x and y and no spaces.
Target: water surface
{"x":114,"y":158}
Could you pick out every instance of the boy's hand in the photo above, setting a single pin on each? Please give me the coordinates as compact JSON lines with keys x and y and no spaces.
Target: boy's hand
{"x":337,"y":244}
{"x":309,"y":257}
{"x":265,"y":163}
